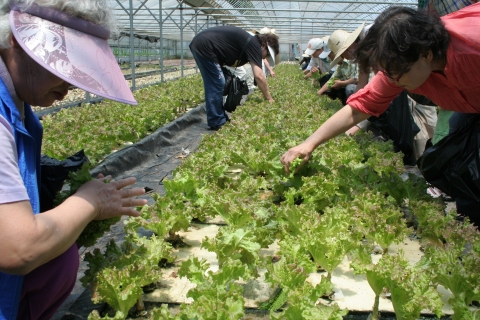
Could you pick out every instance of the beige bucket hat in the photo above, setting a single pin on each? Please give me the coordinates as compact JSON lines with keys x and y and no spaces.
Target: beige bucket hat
{"x":341,"y":40}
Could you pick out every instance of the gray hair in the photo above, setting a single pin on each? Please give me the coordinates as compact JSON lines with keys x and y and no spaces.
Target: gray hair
{"x":96,"y":11}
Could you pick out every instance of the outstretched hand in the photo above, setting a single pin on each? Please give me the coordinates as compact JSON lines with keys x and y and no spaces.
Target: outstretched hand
{"x":300,"y":152}
{"x":110,"y":199}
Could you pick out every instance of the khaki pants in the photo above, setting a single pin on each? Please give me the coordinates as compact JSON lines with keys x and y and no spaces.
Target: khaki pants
{"x":426,"y":119}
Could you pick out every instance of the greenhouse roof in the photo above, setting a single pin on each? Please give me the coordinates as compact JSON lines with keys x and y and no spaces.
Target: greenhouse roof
{"x":294,"y":21}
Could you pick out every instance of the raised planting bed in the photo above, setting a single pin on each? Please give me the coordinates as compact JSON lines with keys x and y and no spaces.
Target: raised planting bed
{"x":262,"y":244}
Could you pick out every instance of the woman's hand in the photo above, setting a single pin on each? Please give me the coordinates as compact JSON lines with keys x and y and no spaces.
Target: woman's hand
{"x":302,"y":151}
{"x":337,"y":124}
{"x":110,"y":199}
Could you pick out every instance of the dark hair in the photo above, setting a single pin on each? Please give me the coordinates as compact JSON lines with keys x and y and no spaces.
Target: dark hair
{"x":270,"y":40}
{"x":398,"y":37}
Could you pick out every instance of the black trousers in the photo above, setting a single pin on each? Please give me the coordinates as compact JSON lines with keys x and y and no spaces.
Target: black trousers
{"x":465,"y":206}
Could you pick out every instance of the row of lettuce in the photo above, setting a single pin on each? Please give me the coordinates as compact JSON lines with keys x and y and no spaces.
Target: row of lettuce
{"x":349,"y":198}
{"x":103,"y":128}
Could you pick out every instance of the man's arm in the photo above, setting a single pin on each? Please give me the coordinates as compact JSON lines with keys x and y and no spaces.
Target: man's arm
{"x":261,"y":81}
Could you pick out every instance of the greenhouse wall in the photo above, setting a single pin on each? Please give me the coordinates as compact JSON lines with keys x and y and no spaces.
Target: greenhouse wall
{"x":144,"y":50}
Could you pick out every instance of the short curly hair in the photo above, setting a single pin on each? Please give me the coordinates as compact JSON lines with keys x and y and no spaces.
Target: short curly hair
{"x":269,"y":39}
{"x":398,"y":37}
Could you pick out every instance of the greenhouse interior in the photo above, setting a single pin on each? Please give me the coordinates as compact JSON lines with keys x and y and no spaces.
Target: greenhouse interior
{"x":242,"y":217}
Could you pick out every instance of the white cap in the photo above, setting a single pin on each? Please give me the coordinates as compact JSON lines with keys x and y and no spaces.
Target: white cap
{"x":313,"y":45}
{"x":326,"y":49}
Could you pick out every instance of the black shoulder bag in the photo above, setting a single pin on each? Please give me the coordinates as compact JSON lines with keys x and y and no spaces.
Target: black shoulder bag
{"x":234,"y":87}
{"x":453,"y":163}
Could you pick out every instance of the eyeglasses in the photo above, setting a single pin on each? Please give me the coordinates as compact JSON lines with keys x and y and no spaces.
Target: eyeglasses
{"x":391,"y":78}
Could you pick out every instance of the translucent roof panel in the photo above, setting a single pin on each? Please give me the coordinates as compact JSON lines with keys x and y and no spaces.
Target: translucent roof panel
{"x":295,"y":21}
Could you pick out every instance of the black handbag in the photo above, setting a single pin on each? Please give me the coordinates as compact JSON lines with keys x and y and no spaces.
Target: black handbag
{"x":54,"y":172}
{"x":234,"y":87}
{"x":238,"y":88}
{"x":228,"y":75}
{"x":453,"y":164}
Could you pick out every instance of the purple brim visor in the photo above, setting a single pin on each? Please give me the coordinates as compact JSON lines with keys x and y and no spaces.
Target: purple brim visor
{"x":73,"y":49}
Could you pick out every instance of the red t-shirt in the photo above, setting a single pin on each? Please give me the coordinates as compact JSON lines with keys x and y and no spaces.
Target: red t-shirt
{"x":458,"y":89}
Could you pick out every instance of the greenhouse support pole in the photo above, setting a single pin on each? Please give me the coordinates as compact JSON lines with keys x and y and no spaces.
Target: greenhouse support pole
{"x":132,"y":49}
{"x":160,"y":27}
{"x":181,"y":39}
{"x":148,"y":52}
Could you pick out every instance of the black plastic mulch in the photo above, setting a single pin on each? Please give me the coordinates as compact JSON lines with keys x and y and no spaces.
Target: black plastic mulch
{"x":156,"y":156}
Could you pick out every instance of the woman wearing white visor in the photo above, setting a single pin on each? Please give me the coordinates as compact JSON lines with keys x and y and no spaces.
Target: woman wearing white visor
{"x":44,"y":48}
{"x":269,"y":62}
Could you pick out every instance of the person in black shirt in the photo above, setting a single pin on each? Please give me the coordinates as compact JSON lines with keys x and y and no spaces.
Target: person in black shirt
{"x":222,"y":46}
{"x":305,"y":61}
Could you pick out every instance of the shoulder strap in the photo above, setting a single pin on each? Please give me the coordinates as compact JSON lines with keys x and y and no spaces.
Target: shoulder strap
{"x":243,"y":50}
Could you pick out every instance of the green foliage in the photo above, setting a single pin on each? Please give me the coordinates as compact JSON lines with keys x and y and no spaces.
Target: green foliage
{"x":103,"y":128}
{"x":331,"y":82}
{"x":276,"y":302}
{"x":378,"y":219}
{"x":119,"y":274}
{"x":410,"y":286}
{"x":295,"y":165}
{"x":165,"y":217}
{"x":216,"y":295}
{"x":238,"y":244}
{"x":454,"y":264}
{"x":348,"y":191}
{"x":301,"y":296}
{"x":95,"y":315}
{"x":346,"y":198}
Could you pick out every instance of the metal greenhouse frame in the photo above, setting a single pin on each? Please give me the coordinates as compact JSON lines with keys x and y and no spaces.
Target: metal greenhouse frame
{"x":151,"y":31}
{"x":175,"y":23}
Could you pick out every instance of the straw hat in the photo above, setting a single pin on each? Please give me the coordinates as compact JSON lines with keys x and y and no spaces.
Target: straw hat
{"x":341,"y":40}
